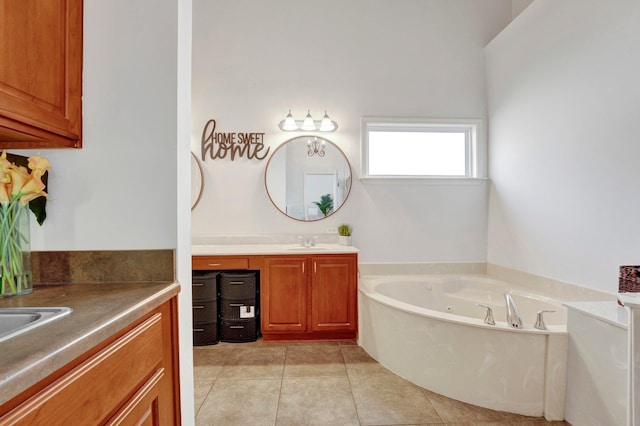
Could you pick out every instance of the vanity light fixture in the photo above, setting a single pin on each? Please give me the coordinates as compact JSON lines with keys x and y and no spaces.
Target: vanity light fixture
{"x":290,"y":124}
{"x":314,"y":147}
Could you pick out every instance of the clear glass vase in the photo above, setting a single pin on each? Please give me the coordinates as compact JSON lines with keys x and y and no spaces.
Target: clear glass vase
{"x":15,"y":250}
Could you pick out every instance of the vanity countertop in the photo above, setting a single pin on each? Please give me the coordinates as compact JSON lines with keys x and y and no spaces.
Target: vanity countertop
{"x":266,"y":249}
{"x":98,"y":312}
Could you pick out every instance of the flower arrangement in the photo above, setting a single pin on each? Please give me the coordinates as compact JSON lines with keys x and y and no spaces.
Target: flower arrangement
{"x":19,"y":185}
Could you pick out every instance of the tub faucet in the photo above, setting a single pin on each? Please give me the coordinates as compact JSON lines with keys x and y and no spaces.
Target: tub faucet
{"x":513,"y":315}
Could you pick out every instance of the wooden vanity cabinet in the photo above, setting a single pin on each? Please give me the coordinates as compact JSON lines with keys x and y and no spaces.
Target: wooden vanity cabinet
{"x":130,"y":379}
{"x":334,"y":288}
{"x":285,"y":295}
{"x":310,"y":297}
{"x":41,"y":74}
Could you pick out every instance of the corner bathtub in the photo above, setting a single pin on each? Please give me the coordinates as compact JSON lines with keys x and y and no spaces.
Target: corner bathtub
{"x":428,"y":329}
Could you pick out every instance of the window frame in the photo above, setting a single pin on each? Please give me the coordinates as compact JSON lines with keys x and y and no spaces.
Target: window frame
{"x":475,"y":146}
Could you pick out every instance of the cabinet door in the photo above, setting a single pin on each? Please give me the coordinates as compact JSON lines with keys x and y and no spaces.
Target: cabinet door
{"x":41,"y":73}
{"x":334,"y":293}
{"x":284,"y":294}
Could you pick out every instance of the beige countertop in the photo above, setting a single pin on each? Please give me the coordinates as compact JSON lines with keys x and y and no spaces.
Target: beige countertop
{"x":99,"y":312}
{"x":266,"y":249}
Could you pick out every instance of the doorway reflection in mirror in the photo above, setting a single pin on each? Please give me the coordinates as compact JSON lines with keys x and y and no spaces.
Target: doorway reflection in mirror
{"x":308,"y":187}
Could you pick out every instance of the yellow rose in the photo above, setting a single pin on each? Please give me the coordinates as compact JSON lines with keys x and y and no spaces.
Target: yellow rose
{"x":39,"y":164}
{"x":31,"y":196}
{"x":33,"y":188}
{"x":4,"y":163}
{"x":19,"y":177}
{"x":4,"y":194}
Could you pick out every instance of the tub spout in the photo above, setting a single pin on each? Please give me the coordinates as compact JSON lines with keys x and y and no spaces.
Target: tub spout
{"x":513,"y":314}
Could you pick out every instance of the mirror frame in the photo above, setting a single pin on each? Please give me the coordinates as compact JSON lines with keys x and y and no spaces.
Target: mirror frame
{"x":346,"y":197}
{"x":201,"y":175}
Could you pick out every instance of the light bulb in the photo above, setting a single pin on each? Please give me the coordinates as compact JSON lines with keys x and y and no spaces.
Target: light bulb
{"x":327,"y":125}
{"x":308,"y":123}
{"x":289,"y":123}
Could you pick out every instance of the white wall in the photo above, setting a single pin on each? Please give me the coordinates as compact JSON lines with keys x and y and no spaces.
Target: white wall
{"x":120,"y":191}
{"x":255,"y":60}
{"x":563,"y":98}
{"x":517,"y":6}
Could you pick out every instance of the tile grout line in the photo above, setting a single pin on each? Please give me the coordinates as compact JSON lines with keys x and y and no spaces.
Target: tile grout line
{"x":284,"y":365}
{"x":353,"y":398}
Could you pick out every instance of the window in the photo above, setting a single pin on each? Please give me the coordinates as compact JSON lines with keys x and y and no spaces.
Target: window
{"x":422,"y":148}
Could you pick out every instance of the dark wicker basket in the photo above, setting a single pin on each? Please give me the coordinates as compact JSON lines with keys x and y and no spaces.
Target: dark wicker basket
{"x":629,"y":281}
{"x":237,"y":285}
{"x":238,"y":330}
{"x":204,"y":285}
{"x":205,"y":310}
{"x":230,"y":309}
{"x":205,"y":334}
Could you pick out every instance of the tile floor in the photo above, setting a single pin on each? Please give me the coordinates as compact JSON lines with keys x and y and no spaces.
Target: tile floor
{"x":319,"y":384}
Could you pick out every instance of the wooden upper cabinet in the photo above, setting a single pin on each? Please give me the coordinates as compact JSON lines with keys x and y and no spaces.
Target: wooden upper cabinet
{"x":40,"y":73}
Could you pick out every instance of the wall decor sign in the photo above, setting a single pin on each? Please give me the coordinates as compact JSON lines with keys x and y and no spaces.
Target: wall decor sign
{"x":219,"y":145}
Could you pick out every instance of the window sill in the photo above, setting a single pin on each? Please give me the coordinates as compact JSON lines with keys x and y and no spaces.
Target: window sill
{"x":441,"y":181}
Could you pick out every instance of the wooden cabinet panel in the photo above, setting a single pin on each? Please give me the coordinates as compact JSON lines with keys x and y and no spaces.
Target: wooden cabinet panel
{"x":333,"y":294}
{"x":310,"y":297}
{"x":219,"y":262}
{"x":284,"y":294}
{"x":144,"y":408}
{"x":132,"y":380}
{"x":41,"y":73}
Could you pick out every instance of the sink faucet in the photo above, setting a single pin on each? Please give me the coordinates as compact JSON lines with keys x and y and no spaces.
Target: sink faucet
{"x":308,"y":241}
{"x":513,"y":315}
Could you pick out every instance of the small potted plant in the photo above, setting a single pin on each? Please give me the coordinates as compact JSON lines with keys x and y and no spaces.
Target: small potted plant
{"x":344,"y":235}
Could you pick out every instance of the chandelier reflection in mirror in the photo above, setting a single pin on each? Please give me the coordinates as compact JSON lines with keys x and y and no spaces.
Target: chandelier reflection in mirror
{"x":315,"y":148}
{"x":290,"y":124}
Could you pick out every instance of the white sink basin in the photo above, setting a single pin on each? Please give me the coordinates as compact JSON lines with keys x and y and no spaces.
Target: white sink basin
{"x":312,"y":248}
{"x":14,"y":321}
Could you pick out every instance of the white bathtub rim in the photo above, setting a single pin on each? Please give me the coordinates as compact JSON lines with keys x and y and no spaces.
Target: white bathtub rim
{"x":452,"y":318}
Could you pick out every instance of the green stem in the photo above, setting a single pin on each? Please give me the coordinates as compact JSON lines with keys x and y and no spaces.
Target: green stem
{"x":11,"y":255}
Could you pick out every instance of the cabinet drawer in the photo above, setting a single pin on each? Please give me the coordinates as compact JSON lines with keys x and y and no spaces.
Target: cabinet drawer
{"x":224,"y":262}
{"x":238,"y":330}
{"x":235,"y":285}
{"x":204,"y":285}
{"x":238,"y":308}
{"x":91,"y":390}
{"x":204,"y":310}
{"x":205,"y":334}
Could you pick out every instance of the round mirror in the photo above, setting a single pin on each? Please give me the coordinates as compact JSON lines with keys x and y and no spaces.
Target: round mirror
{"x":197,"y":182}
{"x":308,"y":178}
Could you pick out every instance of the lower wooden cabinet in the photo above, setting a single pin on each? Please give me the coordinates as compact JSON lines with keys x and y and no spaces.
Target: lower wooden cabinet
{"x":285,"y":293}
{"x":309,"y":297}
{"x":131,"y":380}
{"x":302,"y":296}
